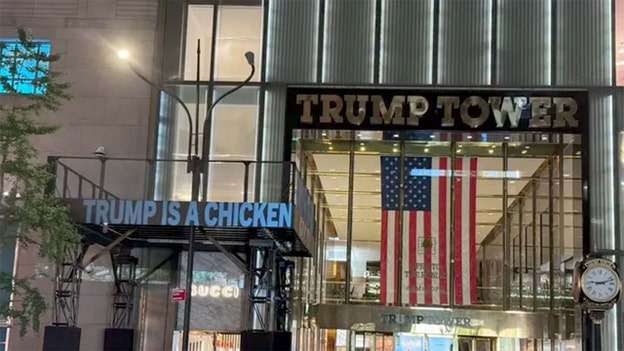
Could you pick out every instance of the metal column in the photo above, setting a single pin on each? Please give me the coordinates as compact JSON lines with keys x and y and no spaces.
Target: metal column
{"x":68,"y":277}
{"x":124,"y":272}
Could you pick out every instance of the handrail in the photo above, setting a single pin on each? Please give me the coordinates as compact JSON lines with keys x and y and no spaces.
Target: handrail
{"x":288,"y":183}
{"x":82,"y":179}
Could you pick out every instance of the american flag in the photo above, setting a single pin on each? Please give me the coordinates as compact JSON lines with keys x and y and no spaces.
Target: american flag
{"x":425,"y":249}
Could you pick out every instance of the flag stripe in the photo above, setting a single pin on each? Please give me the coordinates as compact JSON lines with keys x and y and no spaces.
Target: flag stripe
{"x":405,"y":270}
{"x":473,"y":231}
{"x":412,"y":258}
{"x":465,"y":234}
{"x":427,"y":269}
{"x":397,"y":245}
{"x":383,"y":260}
{"x":435,"y":234}
{"x":442,"y":242}
{"x":457,"y":232}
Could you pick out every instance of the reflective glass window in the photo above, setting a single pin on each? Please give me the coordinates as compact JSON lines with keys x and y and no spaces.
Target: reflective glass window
{"x":199,"y":20}
{"x":239,"y":31}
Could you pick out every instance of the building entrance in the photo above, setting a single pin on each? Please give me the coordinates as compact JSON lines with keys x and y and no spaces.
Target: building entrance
{"x":448,"y":222}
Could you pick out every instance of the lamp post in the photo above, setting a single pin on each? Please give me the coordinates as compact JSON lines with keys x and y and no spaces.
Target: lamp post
{"x":196,"y":163}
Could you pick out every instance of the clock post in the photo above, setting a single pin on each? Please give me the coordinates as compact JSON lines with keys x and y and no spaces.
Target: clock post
{"x":597,"y":287}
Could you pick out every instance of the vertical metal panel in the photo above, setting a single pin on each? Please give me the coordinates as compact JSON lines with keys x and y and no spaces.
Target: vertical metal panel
{"x":601,"y":170}
{"x":292,"y":40}
{"x":601,"y":195}
{"x":524,"y":42}
{"x":406,"y":42}
{"x":273,"y":144}
{"x":583,"y":43}
{"x":465,"y":42}
{"x":618,"y":333}
{"x":349,"y":41}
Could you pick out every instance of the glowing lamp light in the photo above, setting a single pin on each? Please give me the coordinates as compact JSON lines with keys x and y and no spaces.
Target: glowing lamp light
{"x":123,"y":54}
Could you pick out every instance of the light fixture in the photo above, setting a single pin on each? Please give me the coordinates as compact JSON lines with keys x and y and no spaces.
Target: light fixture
{"x":123,"y":54}
{"x":426,"y":150}
{"x":491,"y":151}
{"x":250,"y":58}
{"x":469,"y":137}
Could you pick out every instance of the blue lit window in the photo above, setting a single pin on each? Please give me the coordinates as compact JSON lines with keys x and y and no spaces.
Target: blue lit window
{"x":21,"y":68}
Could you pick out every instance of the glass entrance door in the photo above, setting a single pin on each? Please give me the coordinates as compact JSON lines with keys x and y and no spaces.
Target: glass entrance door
{"x":475,"y":344}
{"x":365,"y":341}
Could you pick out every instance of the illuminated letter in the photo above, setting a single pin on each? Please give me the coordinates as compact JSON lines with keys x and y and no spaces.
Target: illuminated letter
{"x":259,"y":218}
{"x":418,"y":106}
{"x":209,"y":218}
{"x":563,"y":116}
{"x":272,"y":214}
{"x":331,"y":113}
{"x":133,"y":212}
{"x":539,"y":112}
{"x":174,"y":213}
{"x":307,"y":100}
{"x":89,"y":204}
{"x":474,"y":122}
{"x":149,"y":210}
{"x":101,"y":212}
{"x":225,"y":214}
{"x":285,"y":215}
{"x":215,"y":291}
{"x":191,"y":214}
{"x":508,"y":109}
{"x":245,"y":218}
{"x":350,"y":108}
{"x":118,"y":207}
{"x":448,"y":103}
{"x":381,"y":114}
{"x":227,"y":291}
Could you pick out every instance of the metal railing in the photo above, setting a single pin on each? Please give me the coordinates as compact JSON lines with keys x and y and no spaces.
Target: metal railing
{"x":157,"y":179}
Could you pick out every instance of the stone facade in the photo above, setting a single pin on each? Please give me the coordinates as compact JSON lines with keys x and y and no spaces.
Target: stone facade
{"x":110,"y":108}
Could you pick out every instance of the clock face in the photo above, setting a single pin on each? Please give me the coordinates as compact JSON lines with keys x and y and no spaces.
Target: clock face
{"x":600,"y":283}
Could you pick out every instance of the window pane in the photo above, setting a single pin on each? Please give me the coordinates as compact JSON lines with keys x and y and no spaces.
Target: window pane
{"x":198,"y":27}
{"x":619,"y":41}
{"x":20,"y":67}
{"x":233,"y":137}
{"x":235,"y":118}
{"x":240,"y":30}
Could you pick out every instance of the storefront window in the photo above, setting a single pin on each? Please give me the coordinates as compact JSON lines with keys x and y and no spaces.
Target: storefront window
{"x":470,"y":202}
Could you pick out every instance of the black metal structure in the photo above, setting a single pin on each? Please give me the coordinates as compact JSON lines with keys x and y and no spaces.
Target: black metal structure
{"x":68,"y":277}
{"x":124,"y":272}
{"x":261,"y":253}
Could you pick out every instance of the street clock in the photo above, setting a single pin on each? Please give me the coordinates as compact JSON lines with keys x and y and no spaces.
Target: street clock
{"x":597,"y":284}
{"x":600,"y":282}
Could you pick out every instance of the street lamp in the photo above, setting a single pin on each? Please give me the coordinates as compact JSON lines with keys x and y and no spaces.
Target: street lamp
{"x":196,"y":163}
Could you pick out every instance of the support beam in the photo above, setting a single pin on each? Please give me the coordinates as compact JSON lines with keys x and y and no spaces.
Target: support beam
{"x":234,"y":258}
{"x":68,"y":278}
{"x":124,"y":272}
{"x":110,"y":246}
{"x":152,"y":270}
{"x":284,"y":294}
{"x":261,"y":282}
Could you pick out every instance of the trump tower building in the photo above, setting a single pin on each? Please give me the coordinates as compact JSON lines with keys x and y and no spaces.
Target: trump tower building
{"x":332,"y":175}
